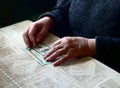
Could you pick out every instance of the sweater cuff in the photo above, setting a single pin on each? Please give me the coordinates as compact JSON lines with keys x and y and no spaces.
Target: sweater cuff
{"x":47,"y":14}
{"x":102,"y":47}
{"x":52,"y":14}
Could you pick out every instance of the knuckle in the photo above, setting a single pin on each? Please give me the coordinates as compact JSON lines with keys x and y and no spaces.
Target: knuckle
{"x":67,"y":40}
{"x":31,"y":25}
{"x":55,"y":48}
{"x":64,"y":49}
{"x":58,"y":51}
{"x":35,"y":24}
{"x":67,"y":46}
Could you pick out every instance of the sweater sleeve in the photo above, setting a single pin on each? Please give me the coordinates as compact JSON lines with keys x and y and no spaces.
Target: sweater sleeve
{"x":60,"y":16}
{"x":59,"y":12}
{"x":108,"y":51}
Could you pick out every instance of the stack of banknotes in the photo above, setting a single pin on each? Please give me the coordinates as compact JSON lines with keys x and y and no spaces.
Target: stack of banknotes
{"x":39,"y":52}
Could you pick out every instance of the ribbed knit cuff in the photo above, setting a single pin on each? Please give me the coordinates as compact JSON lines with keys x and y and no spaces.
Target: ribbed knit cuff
{"x":47,"y":14}
{"x":55,"y":15}
{"x":102,"y":47}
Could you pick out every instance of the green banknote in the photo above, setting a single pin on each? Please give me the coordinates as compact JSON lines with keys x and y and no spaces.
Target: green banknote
{"x":39,"y":52}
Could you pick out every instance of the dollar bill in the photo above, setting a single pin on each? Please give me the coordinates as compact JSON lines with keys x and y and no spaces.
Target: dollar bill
{"x":39,"y":52}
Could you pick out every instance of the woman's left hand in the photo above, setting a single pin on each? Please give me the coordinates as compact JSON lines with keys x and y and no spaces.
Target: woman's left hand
{"x":70,"y":47}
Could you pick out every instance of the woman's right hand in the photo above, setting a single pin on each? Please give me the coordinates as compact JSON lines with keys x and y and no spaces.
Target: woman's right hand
{"x":37,"y":31}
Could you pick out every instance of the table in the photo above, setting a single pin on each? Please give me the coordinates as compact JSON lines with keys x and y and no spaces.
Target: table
{"x":18,"y":69}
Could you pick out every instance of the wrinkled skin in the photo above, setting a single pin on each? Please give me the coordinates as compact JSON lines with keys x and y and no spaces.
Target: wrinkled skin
{"x":68,"y":47}
{"x":37,"y":31}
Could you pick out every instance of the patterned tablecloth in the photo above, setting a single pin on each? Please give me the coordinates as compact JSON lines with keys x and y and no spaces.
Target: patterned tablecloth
{"x":19,"y":69}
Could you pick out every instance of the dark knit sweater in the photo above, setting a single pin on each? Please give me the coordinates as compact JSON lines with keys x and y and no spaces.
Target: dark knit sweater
{"x":98,"y":19}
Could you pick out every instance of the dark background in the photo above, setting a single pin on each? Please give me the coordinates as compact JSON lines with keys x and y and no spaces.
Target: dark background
{"x":12,"y":11}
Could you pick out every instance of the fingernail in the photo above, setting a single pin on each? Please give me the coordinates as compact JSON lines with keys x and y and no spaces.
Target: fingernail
{"x":47,"y":59}
{"x":55,"y":64}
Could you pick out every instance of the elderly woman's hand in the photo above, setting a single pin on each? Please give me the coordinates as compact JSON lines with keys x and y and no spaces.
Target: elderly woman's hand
{"x":70,"y":47}
{"x":36,"y":31}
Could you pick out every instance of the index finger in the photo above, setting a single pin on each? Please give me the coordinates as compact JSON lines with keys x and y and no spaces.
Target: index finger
{"x":62,"y":60}
{"x":32,"y":35}
{"x":26,"y":39}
